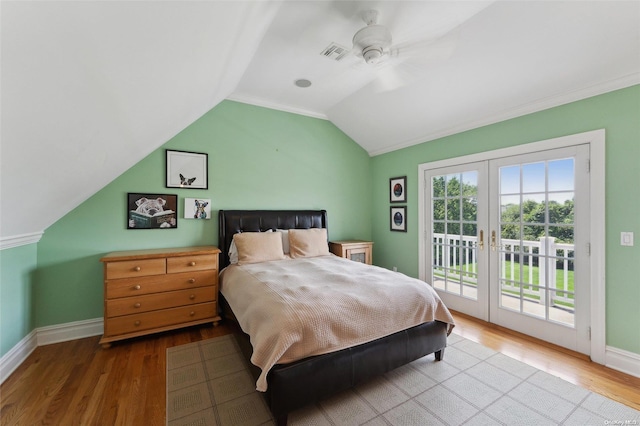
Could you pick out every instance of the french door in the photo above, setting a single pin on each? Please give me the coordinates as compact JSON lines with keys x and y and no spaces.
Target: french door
{"x":506,"y":241}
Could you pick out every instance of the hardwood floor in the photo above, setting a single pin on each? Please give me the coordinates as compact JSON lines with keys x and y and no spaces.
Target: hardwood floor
{"x":80,"y":383}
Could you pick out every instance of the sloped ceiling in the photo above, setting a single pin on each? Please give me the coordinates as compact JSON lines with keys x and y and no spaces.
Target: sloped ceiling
{"x":90,"y":88}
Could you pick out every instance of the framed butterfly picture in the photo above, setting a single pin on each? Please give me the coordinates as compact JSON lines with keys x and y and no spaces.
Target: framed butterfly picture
{"x":187,"y":169}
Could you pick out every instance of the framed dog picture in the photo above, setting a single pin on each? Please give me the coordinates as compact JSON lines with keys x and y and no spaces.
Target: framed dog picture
{"x":152,"y":211}
{"x":398,"y":189}
{"x":398,"y":218}
{"x":197,"y":208}
{"x":187,"y":169}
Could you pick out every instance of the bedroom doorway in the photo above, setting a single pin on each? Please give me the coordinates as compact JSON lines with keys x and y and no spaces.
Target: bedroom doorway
{"x":507,"y":241}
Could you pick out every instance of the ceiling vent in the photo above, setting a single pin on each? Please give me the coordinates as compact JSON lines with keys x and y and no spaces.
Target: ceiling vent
{"x":335,"y":51}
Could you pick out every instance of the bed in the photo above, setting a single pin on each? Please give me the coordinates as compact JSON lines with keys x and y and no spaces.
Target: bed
{"x":301,"y":380}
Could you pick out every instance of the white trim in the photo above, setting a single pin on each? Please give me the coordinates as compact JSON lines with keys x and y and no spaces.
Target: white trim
{"x":276,"y":106}
{"x":45,"y":336}
{"x":17,"y":355}
{"x":20,"y":240}
{"x":625,"y":361}
{"x":596,"y":141}
{"x":530,"y":108}
{"x":70,"y":331}
{"x":598,"y":246}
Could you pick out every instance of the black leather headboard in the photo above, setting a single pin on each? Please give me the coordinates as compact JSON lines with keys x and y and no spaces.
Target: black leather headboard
{"x":234,"y":221}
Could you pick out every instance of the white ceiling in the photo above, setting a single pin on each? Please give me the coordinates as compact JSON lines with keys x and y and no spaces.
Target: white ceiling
{"x":487,"y":61}
{"x":90,"y":88}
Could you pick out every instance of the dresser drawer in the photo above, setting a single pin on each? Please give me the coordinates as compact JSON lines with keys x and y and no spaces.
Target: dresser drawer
{"x":192,"y":263}
{"x":135,"y":268}
{"x":152,"y":302}
{"x":157,"y":319}
{"x":127,"y":287}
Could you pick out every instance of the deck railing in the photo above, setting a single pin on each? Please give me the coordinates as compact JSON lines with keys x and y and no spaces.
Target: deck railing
{"x":458,"y":255}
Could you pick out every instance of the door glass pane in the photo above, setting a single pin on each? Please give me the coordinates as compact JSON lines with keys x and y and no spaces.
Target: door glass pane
{"x":510,"y":208}
{"x":561,"y":175}
{"x":510,"y":180}
{"x":536,"y":263}
{"x":561,"y":207}
{"x":453,"y":185}
{"x":533,"y":177}
{"x":470,"y":209}
{"x":534,"y":208}
{"x":470,"y":184}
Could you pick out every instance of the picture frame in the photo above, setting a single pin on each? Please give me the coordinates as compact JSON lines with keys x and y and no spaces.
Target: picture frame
{"x":186,"y":169}
{"x":398,"y":189}
{"x":197,"y":208}
{"x":152,"y":211}
{"x":398,"y":218}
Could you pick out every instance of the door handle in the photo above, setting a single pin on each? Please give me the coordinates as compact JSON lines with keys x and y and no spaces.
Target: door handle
{"x":481,"y":244}
{"x":493,"y":240}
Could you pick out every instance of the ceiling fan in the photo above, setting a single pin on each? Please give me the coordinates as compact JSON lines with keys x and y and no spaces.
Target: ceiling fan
{"x":395,"y":65}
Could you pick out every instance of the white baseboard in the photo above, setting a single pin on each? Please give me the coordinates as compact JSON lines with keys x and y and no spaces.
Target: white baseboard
{"x":70,"y":331}
{"x":16,"y":356}
{"x":621,"y":360}
{"x":46,"y":336}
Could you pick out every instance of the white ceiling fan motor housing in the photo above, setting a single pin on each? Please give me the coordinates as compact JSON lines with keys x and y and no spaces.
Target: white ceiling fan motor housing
{"x":372,"y":41}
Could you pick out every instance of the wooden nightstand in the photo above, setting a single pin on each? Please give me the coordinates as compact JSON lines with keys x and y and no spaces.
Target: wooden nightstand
{"x":356,"y":250}
{"x":148,"y":291}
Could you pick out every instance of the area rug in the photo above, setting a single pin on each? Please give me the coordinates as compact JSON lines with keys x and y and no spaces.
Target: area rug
{"x":208,"y":383}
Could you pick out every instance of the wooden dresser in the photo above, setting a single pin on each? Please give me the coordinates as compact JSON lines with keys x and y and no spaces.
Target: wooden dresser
{"x":356,"y":250}
{"x":148,"y":291}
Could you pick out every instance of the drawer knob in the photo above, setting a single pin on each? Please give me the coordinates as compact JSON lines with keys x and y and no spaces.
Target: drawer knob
{"x":137,"y":305}
{"x":192,"y":296}
{"x":192,"y":313}
{"x":137,"y":323}
{"x":192,"y":280}
{"x":136,"y":287}
{"x":137,"y":268}
{"x":192,"y":263}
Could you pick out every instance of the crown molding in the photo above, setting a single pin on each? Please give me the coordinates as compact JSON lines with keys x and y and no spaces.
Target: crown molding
{"x":274,"y":105}
{"x":20,"y":240}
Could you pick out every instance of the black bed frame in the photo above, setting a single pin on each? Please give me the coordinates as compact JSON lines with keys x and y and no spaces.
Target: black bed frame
{"x":292,"y":386}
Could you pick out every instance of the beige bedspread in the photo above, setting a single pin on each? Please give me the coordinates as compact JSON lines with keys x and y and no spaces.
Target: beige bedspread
{"x":296,"y":308}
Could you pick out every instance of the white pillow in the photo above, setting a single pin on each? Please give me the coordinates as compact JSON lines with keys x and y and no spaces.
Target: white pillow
{"x":233,"y":253}
{"x":285,"y":240}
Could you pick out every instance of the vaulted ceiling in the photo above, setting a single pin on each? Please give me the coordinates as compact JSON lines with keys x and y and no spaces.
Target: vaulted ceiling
{"x":90,"y":88}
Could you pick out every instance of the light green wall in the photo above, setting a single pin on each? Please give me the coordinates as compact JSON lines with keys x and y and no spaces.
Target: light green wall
{"x":618,"y":113}
{"x":258,"y":158}
{"x":17,"y":266}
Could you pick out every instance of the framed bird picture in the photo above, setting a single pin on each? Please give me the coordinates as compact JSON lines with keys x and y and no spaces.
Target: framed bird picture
{"x":187,"y":169}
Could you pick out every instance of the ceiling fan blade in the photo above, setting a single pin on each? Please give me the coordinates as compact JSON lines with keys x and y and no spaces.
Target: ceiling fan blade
{"x":425,"y":52}
{"x":389,"y":78}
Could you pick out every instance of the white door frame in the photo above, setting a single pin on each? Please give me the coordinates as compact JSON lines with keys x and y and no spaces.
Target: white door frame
{"x":596,"y":141}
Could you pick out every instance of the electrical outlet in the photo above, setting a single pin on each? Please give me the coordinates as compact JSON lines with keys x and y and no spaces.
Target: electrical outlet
{"x":626,"y":239}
